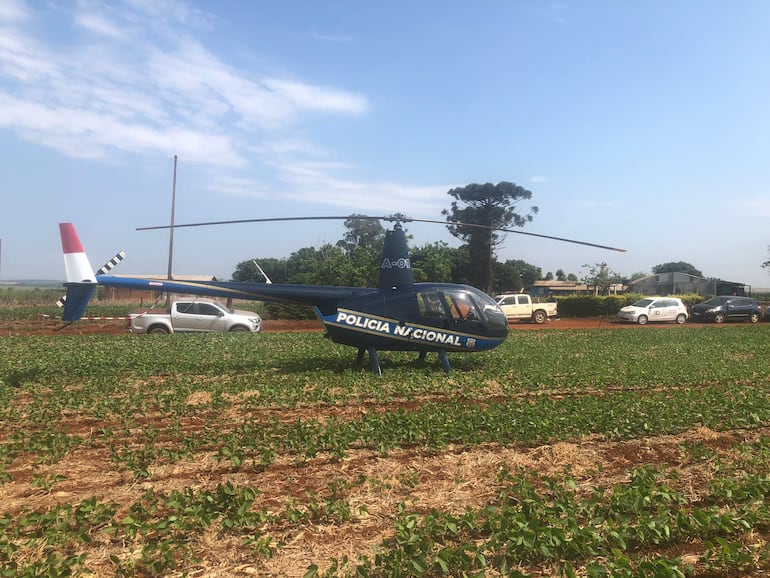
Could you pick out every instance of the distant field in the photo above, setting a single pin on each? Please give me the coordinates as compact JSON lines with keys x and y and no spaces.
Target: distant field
{"x":47,"y":308}
{"x":643,"y":452}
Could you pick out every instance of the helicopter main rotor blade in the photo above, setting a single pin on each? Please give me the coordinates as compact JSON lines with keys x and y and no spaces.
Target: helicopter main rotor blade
{"x":478,"y":226}
{"x":397,"y":218}
{"x":266,"y":220}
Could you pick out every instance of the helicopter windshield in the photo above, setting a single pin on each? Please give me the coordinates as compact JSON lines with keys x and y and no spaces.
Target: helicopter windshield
{"x":490,"y":310}
{"x":460,"y":306}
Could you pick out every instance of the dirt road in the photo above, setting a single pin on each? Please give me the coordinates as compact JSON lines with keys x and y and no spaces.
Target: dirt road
{"x":49,"y":326}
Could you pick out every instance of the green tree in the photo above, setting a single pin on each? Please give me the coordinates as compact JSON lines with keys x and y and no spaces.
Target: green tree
{"x":676,"y":267}
{"x":327,"y":265}
{"x":362,"y":243}
{"x":461,"y":259}
{"x":561,"y":275}
{"x":248,"y":271}
{"x":600,"y":277}
{"x":492,"y":206}
{"x":361,"y":233}
{"x":433,"y":262}
{"x":515,"y":275}
{"x":363,"y":266}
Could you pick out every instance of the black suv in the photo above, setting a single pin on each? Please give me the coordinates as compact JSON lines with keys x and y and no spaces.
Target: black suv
{"x":727,"y":308}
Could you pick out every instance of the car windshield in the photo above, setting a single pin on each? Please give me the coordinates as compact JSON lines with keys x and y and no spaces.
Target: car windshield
{"x":643,"y":302}
{"x":717,"y":301}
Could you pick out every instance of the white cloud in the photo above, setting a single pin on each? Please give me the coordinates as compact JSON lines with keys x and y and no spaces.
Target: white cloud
{"x":288,"y":146}
{"x":168,"y":15}
{"x":98,"y":25}
{"x":136,"y":79}
{"x":22,"y":59}
{"x":139,"y":84}
{"x":308,"y":97}
{"x":316,"y":183}
{"x":13,"y":11}
{"x":81,"y":133}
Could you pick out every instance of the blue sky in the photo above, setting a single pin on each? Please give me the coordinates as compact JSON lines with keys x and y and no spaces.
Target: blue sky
{"x":642,"y":125}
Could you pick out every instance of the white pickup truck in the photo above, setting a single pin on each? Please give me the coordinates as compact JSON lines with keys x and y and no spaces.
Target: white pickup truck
{"x":193,"y":316}
{"x":521,"y":307}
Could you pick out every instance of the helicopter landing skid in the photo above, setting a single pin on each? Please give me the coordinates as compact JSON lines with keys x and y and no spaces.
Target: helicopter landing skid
{"x":374,"y":359}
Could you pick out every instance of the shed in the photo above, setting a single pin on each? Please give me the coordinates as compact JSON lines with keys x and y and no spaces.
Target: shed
{"x":684,"y":284}
{"x":558,"y":288}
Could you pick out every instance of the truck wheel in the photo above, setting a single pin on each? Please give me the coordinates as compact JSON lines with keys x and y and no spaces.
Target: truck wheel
{"x":238,"y":329}
{"x":158,"y":330}
{"x":539,"y":317}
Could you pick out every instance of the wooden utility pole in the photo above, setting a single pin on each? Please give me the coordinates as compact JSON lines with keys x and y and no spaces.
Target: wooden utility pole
{"x":171,"y":234}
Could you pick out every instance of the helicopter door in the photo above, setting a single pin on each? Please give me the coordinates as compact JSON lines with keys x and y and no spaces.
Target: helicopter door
{"x":465,"y":315}
{"x":430,"y":305}
{"x":454,"y":310}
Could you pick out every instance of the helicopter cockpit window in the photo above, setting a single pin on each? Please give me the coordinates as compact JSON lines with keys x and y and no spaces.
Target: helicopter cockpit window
{"x":429,"y":303}
{"x":492,"y":313}
{"x":462,"y":306}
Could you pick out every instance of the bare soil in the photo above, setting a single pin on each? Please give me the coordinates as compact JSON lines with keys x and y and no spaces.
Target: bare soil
{"x":452,"y":480}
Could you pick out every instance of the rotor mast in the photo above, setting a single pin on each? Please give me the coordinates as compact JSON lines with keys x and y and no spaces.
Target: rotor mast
{"x":396,"y":266}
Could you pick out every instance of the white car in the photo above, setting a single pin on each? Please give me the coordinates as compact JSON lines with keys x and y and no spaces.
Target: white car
{"x":654,"y":309}
{"x":193,"y":316}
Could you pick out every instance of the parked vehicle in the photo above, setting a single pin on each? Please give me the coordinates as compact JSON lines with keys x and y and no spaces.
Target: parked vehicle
{"x":194,"y":316}
{"x":654,"y":309}
{"x":727,"y":308}
{"x":521,"y":307}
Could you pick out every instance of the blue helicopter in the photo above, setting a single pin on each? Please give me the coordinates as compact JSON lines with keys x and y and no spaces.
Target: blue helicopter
{"x":397,"y":315}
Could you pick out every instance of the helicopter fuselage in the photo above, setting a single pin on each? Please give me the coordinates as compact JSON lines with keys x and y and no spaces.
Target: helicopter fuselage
{"x":420,"y":317}
{"x":398,"y":314}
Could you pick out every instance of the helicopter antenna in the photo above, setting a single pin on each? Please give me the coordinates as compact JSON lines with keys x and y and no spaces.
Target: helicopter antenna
{"x":267,"y":279}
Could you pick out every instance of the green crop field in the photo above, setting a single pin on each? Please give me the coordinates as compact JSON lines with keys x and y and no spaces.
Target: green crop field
{"x":636,"y":452}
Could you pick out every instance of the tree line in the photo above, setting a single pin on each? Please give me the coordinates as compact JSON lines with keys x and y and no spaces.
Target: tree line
{"x":353,"y":260}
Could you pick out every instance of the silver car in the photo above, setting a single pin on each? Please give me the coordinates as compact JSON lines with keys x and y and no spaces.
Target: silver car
{"x":654,"y":309}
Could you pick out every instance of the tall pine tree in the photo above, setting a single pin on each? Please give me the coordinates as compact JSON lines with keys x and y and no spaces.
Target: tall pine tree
{"x":490,"y":205}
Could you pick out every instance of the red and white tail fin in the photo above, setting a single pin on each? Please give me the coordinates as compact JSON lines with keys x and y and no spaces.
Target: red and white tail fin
{"x":104,"y":269}
{"x":81,"y":281}
{"x":76,"y":263}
